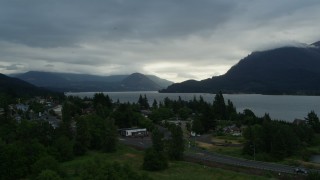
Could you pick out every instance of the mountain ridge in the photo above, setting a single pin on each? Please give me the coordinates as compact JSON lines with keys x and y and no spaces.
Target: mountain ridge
{"x":19,"y":88}
{"x":65,"y":82}
{"x":285,"y":70}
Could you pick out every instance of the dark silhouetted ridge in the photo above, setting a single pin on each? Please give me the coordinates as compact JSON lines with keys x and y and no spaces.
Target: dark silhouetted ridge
{"x":287,"y":70}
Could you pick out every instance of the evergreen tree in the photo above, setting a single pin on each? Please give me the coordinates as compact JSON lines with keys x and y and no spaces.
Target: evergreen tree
{"x":160,"y":114}
{"x":157,"y":140}
{"x":103,"y":133}
{"x":155,"y":104}
{"x":99,"y":98}
{"x":231,"y":111}
{"x":313,"y":121}
{"x":83,"y":137}
{"x":184,"y":113}
{"x":143,"y":102}
{"x":67,"y":116}
{"x":176,"y":143}
{"x":208,"y":119}
{"x":110,"y":139}
{"x":125,"y":117}
{"x":219,"y":107}
{"x":197,"y":126}
{"x":146,"y":102}
{"x":154,"y":158}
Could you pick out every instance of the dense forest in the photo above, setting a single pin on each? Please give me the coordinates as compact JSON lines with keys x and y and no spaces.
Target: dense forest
{"x":33,"y":148}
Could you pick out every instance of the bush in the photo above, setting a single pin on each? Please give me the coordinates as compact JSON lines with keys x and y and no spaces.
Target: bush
{"x":48,"y":175}
{"x":45,"y":163}
{"x":154,"y":160}
{"x":313,"y":176}
{"x":98,"y":169}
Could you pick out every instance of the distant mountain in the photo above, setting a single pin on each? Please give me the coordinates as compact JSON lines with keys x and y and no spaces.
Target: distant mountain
{"x":66,"y":82}
{"x":286,"y":70}
{"x":317,"y":44}
{"x":19,"y":88}
{"x":161,"y":82}
{"x":139,"y":82}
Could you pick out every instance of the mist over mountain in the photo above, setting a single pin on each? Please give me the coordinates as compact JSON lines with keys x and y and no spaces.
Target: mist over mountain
{"x":65,"y":82}
{"x":317,"y":44}
{"x":286,"y":70}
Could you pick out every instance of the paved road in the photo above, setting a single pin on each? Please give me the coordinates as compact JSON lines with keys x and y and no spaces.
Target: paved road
{"x":141,"y":143}
{"x":218,"y":158}
{"x":207,"y":156}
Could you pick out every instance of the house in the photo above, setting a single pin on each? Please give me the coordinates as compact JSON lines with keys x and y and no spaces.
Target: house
{"x":146,"y":113}
{"x":133,"y":132}
{"x":58,"y":110}
{"x":89,"y":110}
{"x":22,"y":107}
{"x":233,"y":130}
{"x":42,"y":101}
{"x":299,"y":121}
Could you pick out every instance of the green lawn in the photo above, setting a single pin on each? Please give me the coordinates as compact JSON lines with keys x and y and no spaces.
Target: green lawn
{"x":176,"y":170}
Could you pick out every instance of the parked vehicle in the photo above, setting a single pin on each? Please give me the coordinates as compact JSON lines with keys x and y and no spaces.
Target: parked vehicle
{"x":300,"y":170}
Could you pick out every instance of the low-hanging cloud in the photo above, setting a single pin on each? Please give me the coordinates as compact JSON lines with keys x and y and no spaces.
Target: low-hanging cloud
{"x":12,"y":67}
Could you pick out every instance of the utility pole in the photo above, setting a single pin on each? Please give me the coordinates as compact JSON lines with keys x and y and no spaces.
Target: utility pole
{"x":254,"y":151}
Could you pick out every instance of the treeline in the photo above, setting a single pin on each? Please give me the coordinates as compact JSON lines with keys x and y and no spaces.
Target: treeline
{"x":34,"y":149}
{"x":204,"y":115}
{"x":266,"y":139}
{"x":275,"y":140}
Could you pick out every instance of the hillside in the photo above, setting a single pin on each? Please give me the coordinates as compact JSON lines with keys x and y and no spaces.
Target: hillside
{"x":65,"y":82}
{"x":18,"y":88}
{"x":139,"y":82}
{"x":286,"y":70}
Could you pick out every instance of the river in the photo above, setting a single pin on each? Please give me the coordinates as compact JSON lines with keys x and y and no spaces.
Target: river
{"x":281,"y":107}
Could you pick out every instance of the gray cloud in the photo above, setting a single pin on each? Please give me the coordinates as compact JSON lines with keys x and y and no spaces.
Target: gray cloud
{"x":66,"y":23}
{"x":49,"y":66}
{"x":173,"y":39}
{"x":12,"y":67}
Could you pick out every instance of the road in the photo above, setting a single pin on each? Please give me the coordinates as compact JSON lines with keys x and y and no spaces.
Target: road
{"x":206,"y":156}
{"x":218,"y":158}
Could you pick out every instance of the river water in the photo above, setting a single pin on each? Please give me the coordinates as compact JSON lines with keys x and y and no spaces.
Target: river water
{"x":281,"y":107}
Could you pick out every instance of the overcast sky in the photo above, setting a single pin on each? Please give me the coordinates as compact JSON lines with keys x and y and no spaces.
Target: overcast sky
{"x":173,"y":39}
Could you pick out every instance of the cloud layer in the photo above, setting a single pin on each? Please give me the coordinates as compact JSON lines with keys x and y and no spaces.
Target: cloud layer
{"x":173,"y":39}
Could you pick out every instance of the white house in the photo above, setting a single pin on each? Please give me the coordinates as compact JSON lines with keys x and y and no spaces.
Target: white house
{"x":22,"y":107}
{"x":133,"y":132}
{"x":58,"y":110}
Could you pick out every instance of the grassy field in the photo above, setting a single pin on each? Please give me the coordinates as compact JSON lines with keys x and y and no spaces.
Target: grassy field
{"x":225,"y":150}
{"x":235,"y":151}
{"x":219,"y":145}
{"x":177,"y":170}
